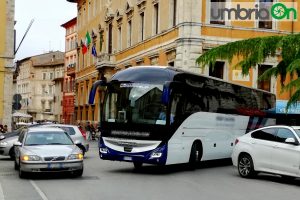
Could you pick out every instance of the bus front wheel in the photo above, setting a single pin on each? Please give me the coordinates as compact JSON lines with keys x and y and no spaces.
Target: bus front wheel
{"x":196,"y":154}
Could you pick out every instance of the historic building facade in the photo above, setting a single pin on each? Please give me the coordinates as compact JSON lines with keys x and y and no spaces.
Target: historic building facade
{"x":37,"y":76}
{"x":7,"y":10}
{"x":68,"y":105}
{"x":129,"y":33}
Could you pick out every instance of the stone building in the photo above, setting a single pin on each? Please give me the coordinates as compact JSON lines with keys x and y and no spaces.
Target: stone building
{"x":129,"y":33}
{"x":36,"y":80}
{"x":7,"y":11}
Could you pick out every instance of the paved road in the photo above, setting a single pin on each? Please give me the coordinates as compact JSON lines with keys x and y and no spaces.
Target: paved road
{"x":118,"y":180}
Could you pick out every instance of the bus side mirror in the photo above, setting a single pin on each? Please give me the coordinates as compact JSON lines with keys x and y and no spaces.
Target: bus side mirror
{"x":168,"y":86}
{"x":165,"y":98}
{"x":94,"y":90}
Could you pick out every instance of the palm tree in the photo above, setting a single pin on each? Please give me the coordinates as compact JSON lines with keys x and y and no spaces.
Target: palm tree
{"x":255,"y":50}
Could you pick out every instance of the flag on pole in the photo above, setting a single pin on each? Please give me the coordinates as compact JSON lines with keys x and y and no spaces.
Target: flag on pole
{"x":86,"y":43}
{"x":94,"y":52}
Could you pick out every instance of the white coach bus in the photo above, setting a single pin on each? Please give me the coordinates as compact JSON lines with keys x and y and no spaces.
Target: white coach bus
{"x":162,"y":116}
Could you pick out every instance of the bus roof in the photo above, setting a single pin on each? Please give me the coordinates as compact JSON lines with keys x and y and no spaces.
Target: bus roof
{"x":160,"y":74}
{"x":145,"y":74}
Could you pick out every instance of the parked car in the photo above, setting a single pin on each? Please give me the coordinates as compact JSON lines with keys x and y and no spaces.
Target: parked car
{"x":7,"y":143}
{"x":272,"y":149}
{"x":7,"y":140}
{"x":75,"y":133}
{"x":45,"y":149}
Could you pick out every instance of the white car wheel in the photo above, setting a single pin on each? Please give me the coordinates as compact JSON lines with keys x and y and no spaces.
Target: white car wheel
{"x":245,"y":166}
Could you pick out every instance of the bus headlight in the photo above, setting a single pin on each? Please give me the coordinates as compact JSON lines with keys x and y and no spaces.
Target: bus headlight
{"x":156,"y":155}
{"x":103,"y":150}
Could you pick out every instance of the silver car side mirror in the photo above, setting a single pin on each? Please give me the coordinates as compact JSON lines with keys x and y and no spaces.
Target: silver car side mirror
{"x":17,"y":143}
{"x":77,"y":142}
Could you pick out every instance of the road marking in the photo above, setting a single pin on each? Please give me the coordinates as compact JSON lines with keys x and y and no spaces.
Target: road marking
{"x":1,"y":193}
{"x":41,"y":193}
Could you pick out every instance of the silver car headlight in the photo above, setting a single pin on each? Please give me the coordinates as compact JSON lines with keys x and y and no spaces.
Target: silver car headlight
{"x":30,"y":158}
{"x":78,"y":156}
{"x":3,"y":143}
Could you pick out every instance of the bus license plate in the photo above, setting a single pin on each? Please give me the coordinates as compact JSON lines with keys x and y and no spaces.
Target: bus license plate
{"x":127,"y":158}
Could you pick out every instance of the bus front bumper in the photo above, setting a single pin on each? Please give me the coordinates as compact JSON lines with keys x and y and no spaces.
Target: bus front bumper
{"x":157,"y":156}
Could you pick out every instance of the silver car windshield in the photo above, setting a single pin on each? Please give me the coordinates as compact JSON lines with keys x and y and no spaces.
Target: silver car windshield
{"x":47,"y":138}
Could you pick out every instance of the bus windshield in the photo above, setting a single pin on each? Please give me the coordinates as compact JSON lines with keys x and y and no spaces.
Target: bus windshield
{"x":135,"y":103}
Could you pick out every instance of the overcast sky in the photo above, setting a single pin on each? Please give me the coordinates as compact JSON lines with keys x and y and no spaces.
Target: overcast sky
{"x":46,"y":33}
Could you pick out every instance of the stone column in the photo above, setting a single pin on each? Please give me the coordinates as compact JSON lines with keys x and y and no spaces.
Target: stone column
{"x":189,"y":43}
{"x":9,"y":67}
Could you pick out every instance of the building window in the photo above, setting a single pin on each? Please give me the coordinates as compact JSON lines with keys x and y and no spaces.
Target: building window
{"x":50,"y":106}
{"x":173,"y":12}
{"x":129,"y":32}
{"x":82,"y":96}
{"x":154,"y":60}
{"x":44,"y":89}
{"x":264,"y":84}
{"x":50,"y":90}
{"x":215,"y":11}
{"x":171,"y":64}
{"x":218,"y":70}
{"x":142,"y":26}
{"x":51,"y":75}
{"x":156,"y":19}
{"x":44,"y":75}
{"x":266,"y":4}
{"x":43,"y":105}
{"x":110,"y":38}
{"x":120,"y":38}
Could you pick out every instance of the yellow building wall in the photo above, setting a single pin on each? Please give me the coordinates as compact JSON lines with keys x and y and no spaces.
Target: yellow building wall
{"x":281,"y":25}
{"x":236,"y":30}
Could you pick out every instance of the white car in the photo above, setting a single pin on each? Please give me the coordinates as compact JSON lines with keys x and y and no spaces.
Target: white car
{"x":75,"y":133}
{"x":7,"y":143}
{"x":272,"y":149}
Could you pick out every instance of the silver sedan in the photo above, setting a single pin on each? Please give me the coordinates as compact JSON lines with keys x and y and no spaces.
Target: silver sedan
{"x":44,"y":149}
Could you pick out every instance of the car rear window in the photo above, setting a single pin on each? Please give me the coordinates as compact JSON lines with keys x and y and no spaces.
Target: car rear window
{"x":69,"y":130}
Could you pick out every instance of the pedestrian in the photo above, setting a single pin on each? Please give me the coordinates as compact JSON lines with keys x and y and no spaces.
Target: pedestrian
{"x":1,"y":128}
{"x":5,"y":129}
{"x":88,"y":131}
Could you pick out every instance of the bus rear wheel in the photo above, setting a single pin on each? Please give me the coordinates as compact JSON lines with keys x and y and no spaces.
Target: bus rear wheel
{"x":196,"y":155}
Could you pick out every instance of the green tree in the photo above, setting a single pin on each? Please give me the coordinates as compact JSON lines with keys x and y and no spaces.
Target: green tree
{"x":251,"y":52}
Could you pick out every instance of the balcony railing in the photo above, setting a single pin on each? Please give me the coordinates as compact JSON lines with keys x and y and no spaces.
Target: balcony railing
{"x":105,"y":60}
